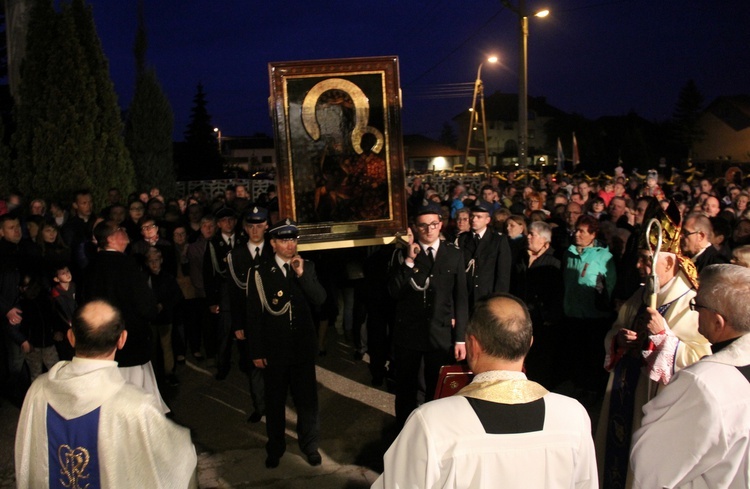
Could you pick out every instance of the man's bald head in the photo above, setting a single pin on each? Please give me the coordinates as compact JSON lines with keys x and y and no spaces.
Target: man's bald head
{"x":502,"y":326}
{"x":97,"y":327}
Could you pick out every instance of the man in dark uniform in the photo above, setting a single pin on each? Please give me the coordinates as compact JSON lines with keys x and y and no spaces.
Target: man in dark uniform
{"x":282,"y":342}
{"x":241,"y":262}
{"x":486,"y":256}
{"x":216,"y":285}
{"x":431,"y":310}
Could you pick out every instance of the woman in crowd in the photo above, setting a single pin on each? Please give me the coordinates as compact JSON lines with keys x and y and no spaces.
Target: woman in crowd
{"x":52,"y":247}
{"x":136,"y":211}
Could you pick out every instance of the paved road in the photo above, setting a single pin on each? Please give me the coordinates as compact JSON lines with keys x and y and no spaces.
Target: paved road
{"x":356,"y":428}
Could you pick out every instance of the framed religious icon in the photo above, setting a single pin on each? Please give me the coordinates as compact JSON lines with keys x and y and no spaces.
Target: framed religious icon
{"x":339,"y":149}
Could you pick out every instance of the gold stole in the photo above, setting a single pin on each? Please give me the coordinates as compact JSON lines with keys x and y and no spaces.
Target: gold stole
{"x":505,"y":391}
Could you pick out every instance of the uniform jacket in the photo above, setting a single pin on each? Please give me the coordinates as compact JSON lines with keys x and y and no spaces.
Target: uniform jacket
{"x":283,"y":338}
{"x":240,"y":266}
{"x":491,"y":268}
{"x":215,"y":267}
{"x":423,"y":319}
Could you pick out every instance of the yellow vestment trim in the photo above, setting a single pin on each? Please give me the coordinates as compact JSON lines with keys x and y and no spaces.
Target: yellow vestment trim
{"x":505,"y":392}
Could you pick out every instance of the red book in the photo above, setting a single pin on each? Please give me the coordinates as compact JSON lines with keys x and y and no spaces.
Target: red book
{"x":452,"y":379}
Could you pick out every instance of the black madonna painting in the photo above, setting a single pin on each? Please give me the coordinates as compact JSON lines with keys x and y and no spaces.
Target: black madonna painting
{"x":338,"y":139}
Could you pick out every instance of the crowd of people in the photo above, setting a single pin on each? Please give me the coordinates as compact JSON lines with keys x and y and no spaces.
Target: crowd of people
{"x":610,"y":298}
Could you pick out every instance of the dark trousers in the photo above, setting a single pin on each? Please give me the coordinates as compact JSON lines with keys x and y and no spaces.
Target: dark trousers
{"x":198,"y":326}
{"x":378,"y":343}
{"x":300,"y":380}
{"x":408,"y":362}
{"x":254,"y":375}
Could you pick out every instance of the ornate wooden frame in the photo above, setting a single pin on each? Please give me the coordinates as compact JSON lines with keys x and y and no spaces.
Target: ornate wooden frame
{"x":340,"y":158}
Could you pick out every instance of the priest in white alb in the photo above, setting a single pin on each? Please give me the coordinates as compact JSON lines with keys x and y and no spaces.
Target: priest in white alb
{"x":696,"y":432}
{"x":82,"y":425}
{"x":501,"y":430}
{"x":647,"y":345}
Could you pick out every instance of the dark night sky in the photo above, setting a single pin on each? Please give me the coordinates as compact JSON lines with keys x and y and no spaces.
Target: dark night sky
{"x":592,"y":57}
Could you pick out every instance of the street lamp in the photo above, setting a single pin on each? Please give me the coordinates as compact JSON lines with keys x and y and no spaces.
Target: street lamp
{"x":474,"y":117}
{"x":218,"y":137}
{"x":523,"y":88}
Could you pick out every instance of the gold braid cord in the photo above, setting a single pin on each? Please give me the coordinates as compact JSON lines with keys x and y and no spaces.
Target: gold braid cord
{"x":236,"y":279}
{"x":264,"y":302}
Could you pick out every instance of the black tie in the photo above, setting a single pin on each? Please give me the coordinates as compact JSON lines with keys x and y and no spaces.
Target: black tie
{"x":257,"y":252}
{"x":430,"y":255}
{"x":288,"y":271}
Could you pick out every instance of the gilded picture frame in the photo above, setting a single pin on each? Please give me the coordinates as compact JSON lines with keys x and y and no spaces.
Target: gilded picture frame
{"x":337,"y":126}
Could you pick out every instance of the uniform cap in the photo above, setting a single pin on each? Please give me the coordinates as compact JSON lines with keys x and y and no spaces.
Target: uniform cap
{"x":284,"y":229}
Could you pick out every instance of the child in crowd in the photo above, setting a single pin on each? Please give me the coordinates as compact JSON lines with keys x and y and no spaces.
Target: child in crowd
{"x":39,"y":328}
{"x":64,"y":303}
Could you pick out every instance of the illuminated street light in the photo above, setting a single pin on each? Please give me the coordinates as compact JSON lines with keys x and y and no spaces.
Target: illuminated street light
{"x":523,"y":88}
{"x":474,"y":117}
{"x":218,"y":137}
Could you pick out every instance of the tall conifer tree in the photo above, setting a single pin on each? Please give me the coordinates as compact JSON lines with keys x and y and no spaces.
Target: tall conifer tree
{"x":69,"y":131}
{"x":202,"y":158}
{"x":110,"y":164}
{"x":148,"y":130}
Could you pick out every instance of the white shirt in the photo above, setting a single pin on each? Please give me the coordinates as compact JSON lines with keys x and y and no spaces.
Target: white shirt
{"x":251,"y":247}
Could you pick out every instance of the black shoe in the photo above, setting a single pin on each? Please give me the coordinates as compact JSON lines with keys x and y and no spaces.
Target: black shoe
{"x":358,"y":355}
{"x":377,"y":381}
{"x":255,"y":417}
{"x":172,"y":380}
{"x":181,"y":359}
{"x":221,"y":374}
{"x":314,"y":458}
{"x":198,"y":356}
{"x":272,"y":462}
{"x":322,"y":353}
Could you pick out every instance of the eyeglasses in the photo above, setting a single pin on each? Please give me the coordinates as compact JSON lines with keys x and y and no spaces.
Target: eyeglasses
{"x":148,"y":226}
{"x":424,"y":226}
{"x":689,"y":233}
{"x":694,"y":306}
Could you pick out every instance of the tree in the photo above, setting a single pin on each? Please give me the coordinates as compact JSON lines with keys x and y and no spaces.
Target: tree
{"x":53,"y":133}
{"x":202,"y":158}
{"x":148,"y":130}
{"x":687,"y":110}
{"x":110,"y":164}
{"x":69,"y":131}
